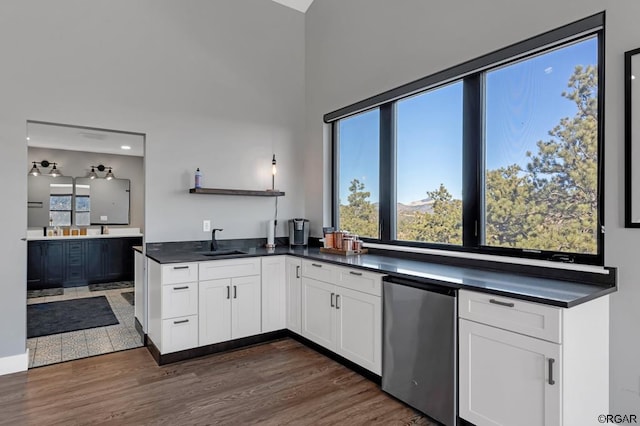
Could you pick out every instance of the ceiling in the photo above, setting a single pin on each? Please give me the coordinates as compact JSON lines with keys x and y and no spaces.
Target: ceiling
{"x":73,"y":138}
{"x":300,"y":5}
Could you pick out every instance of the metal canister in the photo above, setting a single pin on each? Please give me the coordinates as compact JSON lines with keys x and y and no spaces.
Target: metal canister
{"x":329,"y":240}
{"x":337,"y":239}
{"x":347,"y":243}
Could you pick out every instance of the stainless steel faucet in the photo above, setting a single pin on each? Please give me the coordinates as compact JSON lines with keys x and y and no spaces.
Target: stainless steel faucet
{"x":214,"y":243}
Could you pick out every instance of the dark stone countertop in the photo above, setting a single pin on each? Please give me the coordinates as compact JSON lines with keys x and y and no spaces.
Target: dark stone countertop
{"x":556,"y":292}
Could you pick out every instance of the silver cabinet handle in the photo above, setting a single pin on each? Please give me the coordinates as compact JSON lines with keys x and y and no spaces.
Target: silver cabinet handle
{"x":181,"y":321}
{"x":228,"y":292}
{"x":181,"y":288}
{"x":181,"y":267}
{"x":297,"y":271}
{"x":337,"y":301}
{"x":333,"y":305}
{"x":497,"y":302}
{"x":358,"y":274}
{"x":551,"y":381}
{"x":317,"y":265}
{"x":235,"y":292}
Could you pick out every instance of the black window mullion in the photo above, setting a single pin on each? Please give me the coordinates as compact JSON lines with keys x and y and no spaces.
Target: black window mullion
{"x":387,"y":173}
{"x":335,"y":178}
{"x":472,"y":140}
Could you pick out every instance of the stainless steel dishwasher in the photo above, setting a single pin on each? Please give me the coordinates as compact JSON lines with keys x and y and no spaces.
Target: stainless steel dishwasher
{"x":419,"y":356}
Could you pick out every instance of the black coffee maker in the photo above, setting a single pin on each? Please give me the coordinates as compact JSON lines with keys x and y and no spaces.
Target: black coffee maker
{"x":298,"y":232}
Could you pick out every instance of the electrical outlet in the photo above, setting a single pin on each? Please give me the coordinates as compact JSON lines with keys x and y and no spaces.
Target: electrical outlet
{"x":206,"y":225}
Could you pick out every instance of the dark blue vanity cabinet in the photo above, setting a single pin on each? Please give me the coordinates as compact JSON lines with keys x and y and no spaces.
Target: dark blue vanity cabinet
{"x":76,"y":262}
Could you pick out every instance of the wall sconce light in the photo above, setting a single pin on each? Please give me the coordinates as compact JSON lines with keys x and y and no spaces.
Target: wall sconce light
{"x":101,"y":168}
{"x":54,"y":172}
{"x":34,"y":170}
{"x":274,"y":170}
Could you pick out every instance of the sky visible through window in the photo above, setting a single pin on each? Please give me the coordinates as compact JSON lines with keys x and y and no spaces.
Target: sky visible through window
{"x":525,"y":105}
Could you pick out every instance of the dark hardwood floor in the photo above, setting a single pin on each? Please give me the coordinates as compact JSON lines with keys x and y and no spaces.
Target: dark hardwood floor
{"x":281,"y":382}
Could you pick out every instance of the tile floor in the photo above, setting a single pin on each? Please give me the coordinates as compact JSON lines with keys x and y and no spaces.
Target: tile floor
{"x":84,"y":343}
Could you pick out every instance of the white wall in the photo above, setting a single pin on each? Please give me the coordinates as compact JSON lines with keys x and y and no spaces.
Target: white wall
{"x":359,"y":48}
{"x":213,"y":84}
{"x":76,"y":164}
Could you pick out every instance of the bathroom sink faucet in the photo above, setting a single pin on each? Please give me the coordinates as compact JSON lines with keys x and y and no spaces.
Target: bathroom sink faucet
{"x":214,"y":243}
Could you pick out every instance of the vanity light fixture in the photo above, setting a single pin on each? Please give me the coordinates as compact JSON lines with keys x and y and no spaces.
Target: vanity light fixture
{"x":55,"y":172}
{"x":101,"y":168}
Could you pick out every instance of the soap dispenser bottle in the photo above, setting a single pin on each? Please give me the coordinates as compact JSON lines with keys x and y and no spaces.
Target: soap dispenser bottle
{"x":198,"y":183}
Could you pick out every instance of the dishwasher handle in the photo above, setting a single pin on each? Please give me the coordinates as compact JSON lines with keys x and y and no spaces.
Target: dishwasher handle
{"x":422,"y":285}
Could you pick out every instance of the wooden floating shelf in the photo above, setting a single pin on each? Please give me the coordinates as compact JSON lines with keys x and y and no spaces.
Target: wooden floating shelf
{"x":249,"y":192}
{"x":344,"y":252}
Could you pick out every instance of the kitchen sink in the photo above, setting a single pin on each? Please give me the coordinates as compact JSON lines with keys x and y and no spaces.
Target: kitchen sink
{"x":222,"y":253}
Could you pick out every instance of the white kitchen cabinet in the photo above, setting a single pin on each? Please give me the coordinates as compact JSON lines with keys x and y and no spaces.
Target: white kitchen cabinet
{"x":179,"y":333}
{"x":318,"y":312}
{"x":341,"y":319}
{"x":293,"y":294}
{"x":505,"y":377}
{"x":215,"y":311}
{"x":140,"y":289}
{"x":531,"y":364}
{"x":274,"y":294}
{"x":230,"y":305}
{"x":173,"y":306}
{"x":359,"y":328}
{"x":245,"y":307}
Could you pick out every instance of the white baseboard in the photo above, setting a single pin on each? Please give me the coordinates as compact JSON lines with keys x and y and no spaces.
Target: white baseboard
{"x":15,"y":363}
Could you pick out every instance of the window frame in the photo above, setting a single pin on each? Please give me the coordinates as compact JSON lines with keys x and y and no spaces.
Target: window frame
{"x":472,"y":74}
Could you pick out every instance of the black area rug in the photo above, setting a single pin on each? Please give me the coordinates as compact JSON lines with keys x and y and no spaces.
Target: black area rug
{"x":111,"y":286}
{"x":63,"y":316}
{"x":45,"y":292}
{"x":129,"y":297}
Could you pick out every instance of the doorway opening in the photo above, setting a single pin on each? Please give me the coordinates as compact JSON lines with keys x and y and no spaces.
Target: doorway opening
{"x":85,"y":218}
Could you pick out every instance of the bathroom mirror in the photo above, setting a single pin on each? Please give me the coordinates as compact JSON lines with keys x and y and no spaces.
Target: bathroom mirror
{"x":632,"y":138}
{"x":101,"y":201}
{"x":49,"y":201}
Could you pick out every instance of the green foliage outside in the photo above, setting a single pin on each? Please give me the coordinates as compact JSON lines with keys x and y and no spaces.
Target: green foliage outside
{"x":550,"y":205}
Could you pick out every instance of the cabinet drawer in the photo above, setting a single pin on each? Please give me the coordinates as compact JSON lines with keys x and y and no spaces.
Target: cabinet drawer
{"x":179,"y":334}
{"x":179,"y":273}
{"x":359,"y":280}
{"x":319,"y":271}
{"x":528,"y":318}
{"x":217,"y":269}
{"x":179,"y":300}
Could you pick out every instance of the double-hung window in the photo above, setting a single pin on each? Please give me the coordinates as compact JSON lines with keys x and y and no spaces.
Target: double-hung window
{"x":500,"y":155}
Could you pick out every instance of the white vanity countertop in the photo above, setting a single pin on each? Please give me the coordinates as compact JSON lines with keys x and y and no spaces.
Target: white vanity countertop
{"x":36,"y":234}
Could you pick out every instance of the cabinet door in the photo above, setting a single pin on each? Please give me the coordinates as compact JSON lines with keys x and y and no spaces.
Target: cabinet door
{"x":274,"y":294}
{"x":74,"y":260}
{"x":359,"y":328}
{"x":113,"y":259}
{"x":214,"y":303}
{"x":245,"y":307}
{"x":318,"y":312}
{"x":294,"y":296}
{"x":505,"y":377}
{"x":94,"y":260}
{"x":54,"y":261}
{"x":35,"y":267}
